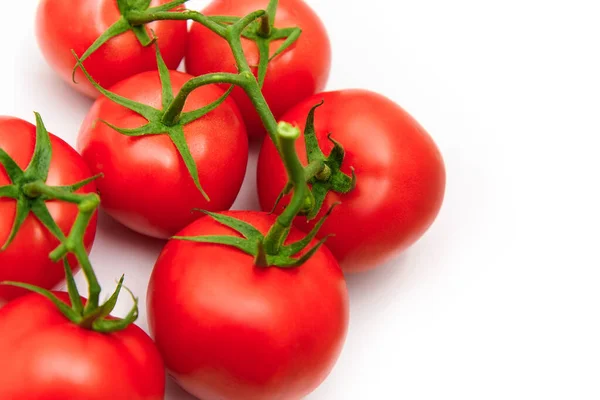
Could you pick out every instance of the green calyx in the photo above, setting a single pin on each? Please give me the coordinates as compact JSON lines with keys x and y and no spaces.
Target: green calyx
{"x":323,"y":173}
{"x":29,"y":190}
{"x":127,"y":8}
{"x":170,"y":120}
{"x":135,"y":14}
{"x":263,"y":32}
{"x":96,"y":318}
{"x":252,"y":243}
{"x":28,"y":187}
{"x":270,"y":250}
{"x":258,"y":26}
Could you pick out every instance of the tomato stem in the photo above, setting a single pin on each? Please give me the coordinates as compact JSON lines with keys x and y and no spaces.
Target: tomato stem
{"x":259,"y":27}
{"x":174,"y":110}
{"x":143,"y":17}
{"x":283,"y":135}
{"x":244,"y":79}
{"x":288,"y":135}
{"x":265,"y":26}
{"x":267,"y":22}
{"x":30,"y":192}
{"x":87,"y":204}
{"x":314,"y":169}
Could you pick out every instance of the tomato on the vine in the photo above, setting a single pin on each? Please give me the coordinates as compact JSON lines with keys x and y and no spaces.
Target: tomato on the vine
{"x":45,"y":356}
{"x":26,"y":258}
{"x":400,"y":175}
{"x":302,"y":70}
{"x":146,"y":184}
{"x":229,"y":329}
{"x":63,"y":26}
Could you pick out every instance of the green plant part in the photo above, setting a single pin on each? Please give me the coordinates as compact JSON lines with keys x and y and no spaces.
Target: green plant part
{"x":270,"y":250}
{"x":165,"y":121}
{"x":230,"y":29}
{"x":126,"y":7}
{"x":322,"y":173}
{"x":263,"y":32}
{"x":29,"y":189}
{"x":136,"y":13}
{"x":93,"y":318}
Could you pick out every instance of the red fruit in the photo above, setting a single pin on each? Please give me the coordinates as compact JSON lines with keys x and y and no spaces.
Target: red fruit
{"x":230,"y":330}
{"x":292,"y":76}
{"x":400,"y":176}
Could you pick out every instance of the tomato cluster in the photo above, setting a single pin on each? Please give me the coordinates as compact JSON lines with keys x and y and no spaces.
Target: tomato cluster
{"x":241,"y":304}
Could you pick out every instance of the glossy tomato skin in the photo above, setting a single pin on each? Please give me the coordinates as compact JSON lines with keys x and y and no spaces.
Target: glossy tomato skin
{"x":298,"y":73}
{"x":228,"y":330}
{"x":46,"y":357}
{"x":146,"y":185}
{"x":400,"y":171}
{"x":63,"y":26}
{"x":27,"y":258}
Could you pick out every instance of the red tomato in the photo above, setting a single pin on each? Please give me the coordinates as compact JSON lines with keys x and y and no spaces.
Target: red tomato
{"x":27,"y":258}
{"x":46,"y":357}
{"x":296,"y":74}
{"x":400,"y":171}
{"x":146,"y":185}
{"x":230,"y":330}
{"x":63,"y":26}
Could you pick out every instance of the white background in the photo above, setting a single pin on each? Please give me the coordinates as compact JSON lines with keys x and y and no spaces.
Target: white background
{"x":500,"y":300}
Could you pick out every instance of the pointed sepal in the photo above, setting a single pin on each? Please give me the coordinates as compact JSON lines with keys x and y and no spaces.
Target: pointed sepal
{"x":330,"y":178}
{"x":252,"y":242}
{"x":62,"y":307}
{"x":116,"y":325}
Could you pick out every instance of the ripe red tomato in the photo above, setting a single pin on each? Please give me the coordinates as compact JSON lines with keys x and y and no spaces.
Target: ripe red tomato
{"x":146,"y":185}
{"x":400,"y":171}
{"x":230,"y":330}
{"x":63,"y":26}
{"x":298,"y":73}
{"x":27,"y":258}
{"x":45,"y":356}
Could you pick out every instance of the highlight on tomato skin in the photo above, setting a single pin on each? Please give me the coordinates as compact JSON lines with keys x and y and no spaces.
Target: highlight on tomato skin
{"x":300,"y":72}
{"x":26,"y":259}
{"x":146,"y":184}
{"x":399,"y":169}
{"x":228,"y":329}
{"x":62,"y":26}
{"x":241,"y":304}
{"x":45,"y":356}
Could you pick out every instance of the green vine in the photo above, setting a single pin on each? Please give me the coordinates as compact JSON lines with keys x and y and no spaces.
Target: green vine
{"x":30,"y":191}
{"x":322,"y":173}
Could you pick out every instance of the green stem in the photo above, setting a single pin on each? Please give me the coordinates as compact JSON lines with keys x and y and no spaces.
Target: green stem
{"x":87,"y":204}
{"x":74,"y":244}
{"x":265,"y":27}
{"x":235,"y":43}
{"x":264,"y":111}
{"x":39,"y":188}
{"x":174,"y":110}
{"x":75,"y":239}
{"x":288,"y":135}
{"x":315,"y":168}
{"x":136,"y":18}
{"x":267,"y":22}
{"x":244,"y":79}
{"x":283,"y":135}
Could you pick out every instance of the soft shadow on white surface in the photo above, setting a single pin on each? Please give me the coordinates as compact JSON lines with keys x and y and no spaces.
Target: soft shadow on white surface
{"x":175,"y":392}
{"x":248,"y":197}
{"x":379,"y":278}
{"x":495,"y":302}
